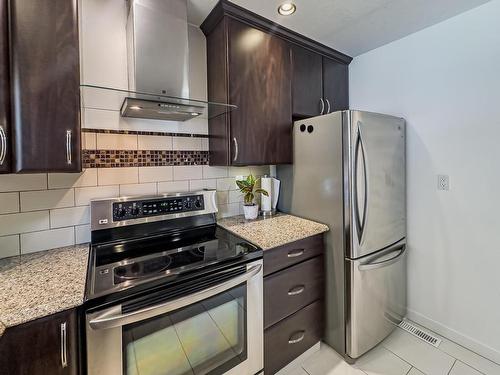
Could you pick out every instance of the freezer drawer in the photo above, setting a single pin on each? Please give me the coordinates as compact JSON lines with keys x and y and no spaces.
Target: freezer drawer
{"x":376,"y":298}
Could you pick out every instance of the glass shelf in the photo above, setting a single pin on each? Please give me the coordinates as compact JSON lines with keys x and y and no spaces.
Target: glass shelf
{"x":148,"y":105}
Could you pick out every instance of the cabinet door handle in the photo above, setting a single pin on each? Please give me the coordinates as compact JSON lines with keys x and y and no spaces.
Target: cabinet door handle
{"x":296,"y":290}
{"x":295,"y":253}
{"x":297,"y":337}
{"x":328,"y":104}
{"x":68,"y":147}
{"x":322,"y":102}
{"x":3,"y":145}
{"x":235,"y":149}
{"x":64,"y":345}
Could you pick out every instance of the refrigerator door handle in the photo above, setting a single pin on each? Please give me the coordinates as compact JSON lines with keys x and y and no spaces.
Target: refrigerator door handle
{"x":360,"y":152}
{"x":400,"y":250}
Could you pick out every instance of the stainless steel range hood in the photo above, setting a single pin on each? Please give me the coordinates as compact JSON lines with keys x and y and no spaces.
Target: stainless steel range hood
{"x":158,"y":67}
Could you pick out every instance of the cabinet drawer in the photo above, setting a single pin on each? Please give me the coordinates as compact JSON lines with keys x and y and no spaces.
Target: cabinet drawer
{"x":292,"y":253}
{"x":288,"y":291}
{"x":291,"y":337}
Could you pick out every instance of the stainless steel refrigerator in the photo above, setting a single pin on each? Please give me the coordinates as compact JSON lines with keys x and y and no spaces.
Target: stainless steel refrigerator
{"x":349,"y":173}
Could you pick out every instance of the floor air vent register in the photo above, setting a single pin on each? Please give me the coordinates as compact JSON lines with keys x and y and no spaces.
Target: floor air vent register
{"x":420,"y":333}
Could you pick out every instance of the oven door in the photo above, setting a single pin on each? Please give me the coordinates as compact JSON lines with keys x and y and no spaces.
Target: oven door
{"x":206,"y":330}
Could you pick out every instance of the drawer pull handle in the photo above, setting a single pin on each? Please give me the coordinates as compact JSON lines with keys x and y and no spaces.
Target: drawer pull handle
{"x":296,"y":290}
{"x":295,"y":253}
{"x":297,"y":337}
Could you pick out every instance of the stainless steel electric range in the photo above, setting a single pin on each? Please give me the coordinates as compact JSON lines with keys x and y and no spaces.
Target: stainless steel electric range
{"x":170,"y":292}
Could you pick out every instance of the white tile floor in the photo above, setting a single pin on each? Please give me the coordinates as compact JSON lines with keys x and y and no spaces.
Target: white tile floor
{"x":400,"y":354}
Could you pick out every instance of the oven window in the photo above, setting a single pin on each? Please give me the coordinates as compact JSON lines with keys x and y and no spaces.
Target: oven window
{"x":208,"y":337}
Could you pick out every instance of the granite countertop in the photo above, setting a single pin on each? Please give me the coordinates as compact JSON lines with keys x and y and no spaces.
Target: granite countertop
{"x":274,"y":231}
{"x":40,"y":284}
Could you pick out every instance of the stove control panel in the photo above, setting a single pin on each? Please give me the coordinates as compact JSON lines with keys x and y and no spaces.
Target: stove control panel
{"x":155,"y":207}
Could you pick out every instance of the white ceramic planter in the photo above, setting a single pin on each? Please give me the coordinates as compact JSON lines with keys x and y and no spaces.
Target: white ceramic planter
{"x":251,"y":212}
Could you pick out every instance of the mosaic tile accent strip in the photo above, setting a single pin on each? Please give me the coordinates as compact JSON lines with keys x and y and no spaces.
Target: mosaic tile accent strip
{"x":140,"y":132}
{"x":142,"y":158}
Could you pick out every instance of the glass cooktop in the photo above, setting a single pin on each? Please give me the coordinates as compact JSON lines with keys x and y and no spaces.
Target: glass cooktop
{"x":121,"y":265}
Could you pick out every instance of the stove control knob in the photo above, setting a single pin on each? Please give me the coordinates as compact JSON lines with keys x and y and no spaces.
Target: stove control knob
{"x":121,"y":212}
{"x":197,"y":204}
{"x":134,"y":211}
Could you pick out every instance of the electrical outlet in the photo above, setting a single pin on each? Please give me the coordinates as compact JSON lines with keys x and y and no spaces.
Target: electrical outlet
{"x":443,"y":182}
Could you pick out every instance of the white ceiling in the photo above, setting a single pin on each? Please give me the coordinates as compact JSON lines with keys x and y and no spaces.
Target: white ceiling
{"x":350,"y":26}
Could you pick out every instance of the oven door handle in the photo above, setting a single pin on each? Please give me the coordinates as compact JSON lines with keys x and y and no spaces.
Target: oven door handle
{"x":106,"y":320}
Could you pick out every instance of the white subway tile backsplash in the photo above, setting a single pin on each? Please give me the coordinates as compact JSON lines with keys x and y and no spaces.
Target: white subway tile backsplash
{"x":82,"y":233}
{"x":64,"y":217}
{"x":239,"y":171}
{"x":131,"y":190}
{"x":117,"y":176}
{"x":230,"y":209}
{"x":226,"y":184}
{"x":88,"y":177}
{"x":173,"y":187}
{"x":23,"y":222}
{"x":222,"y":197}
{"x":47,"y":239}
{"x":214,"y":172}
{"x":204,"y":144}
{"x":89,"y":141}
{"x":116,"y":141}
{"x":235,"y":196}
{"x":23,"y":182}
{"x":9,"y":246}
{"x":100,"y":119}
{"x":156,"y":174}
{"x":187,"y":143}
{"x":9,"y":203}
{"x":45,"y":199}
{"x":85,"y":194}
{"x":154,"y":142}
{"x":190,"y":172}
{"x":195,"y":185}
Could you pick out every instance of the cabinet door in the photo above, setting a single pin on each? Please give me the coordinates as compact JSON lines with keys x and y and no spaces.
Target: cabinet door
{"x":5,"y":142}
{"x":45,"y":85}
{"x":41,"y":347}
{"x":307,"y":82}
{"x":260,"y":85}
{"x":335,"y":85}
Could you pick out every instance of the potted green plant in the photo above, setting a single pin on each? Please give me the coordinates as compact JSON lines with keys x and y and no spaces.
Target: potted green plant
{"x":248,"y":189}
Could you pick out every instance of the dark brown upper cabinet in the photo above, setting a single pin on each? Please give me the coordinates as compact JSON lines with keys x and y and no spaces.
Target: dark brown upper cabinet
{"x":320,"y":84}
{"x":257,"y":80}
{"x":335,"y":85}
{"x":45,"y":85}
{"x":307,"y":82}
{"x":5,"y":136}
{"x":269,"y":72}
{"x":41,"y":347}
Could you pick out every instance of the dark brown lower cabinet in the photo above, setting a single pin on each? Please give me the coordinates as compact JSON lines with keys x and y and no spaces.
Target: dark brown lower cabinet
{"x":5,"y":145}
{"x":291,"y":337}
{"x":46,"y":346}
{"x":45,"y":81}
{"x":293,"y":300}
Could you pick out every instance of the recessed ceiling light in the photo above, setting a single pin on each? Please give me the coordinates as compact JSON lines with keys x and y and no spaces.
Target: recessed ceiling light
{"x":287,"y":9}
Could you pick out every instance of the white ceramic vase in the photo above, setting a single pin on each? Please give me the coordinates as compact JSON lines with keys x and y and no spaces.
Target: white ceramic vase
{"x":251,"y":212}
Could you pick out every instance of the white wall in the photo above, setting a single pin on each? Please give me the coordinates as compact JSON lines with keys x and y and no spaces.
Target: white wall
{"x":445,"y":80}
